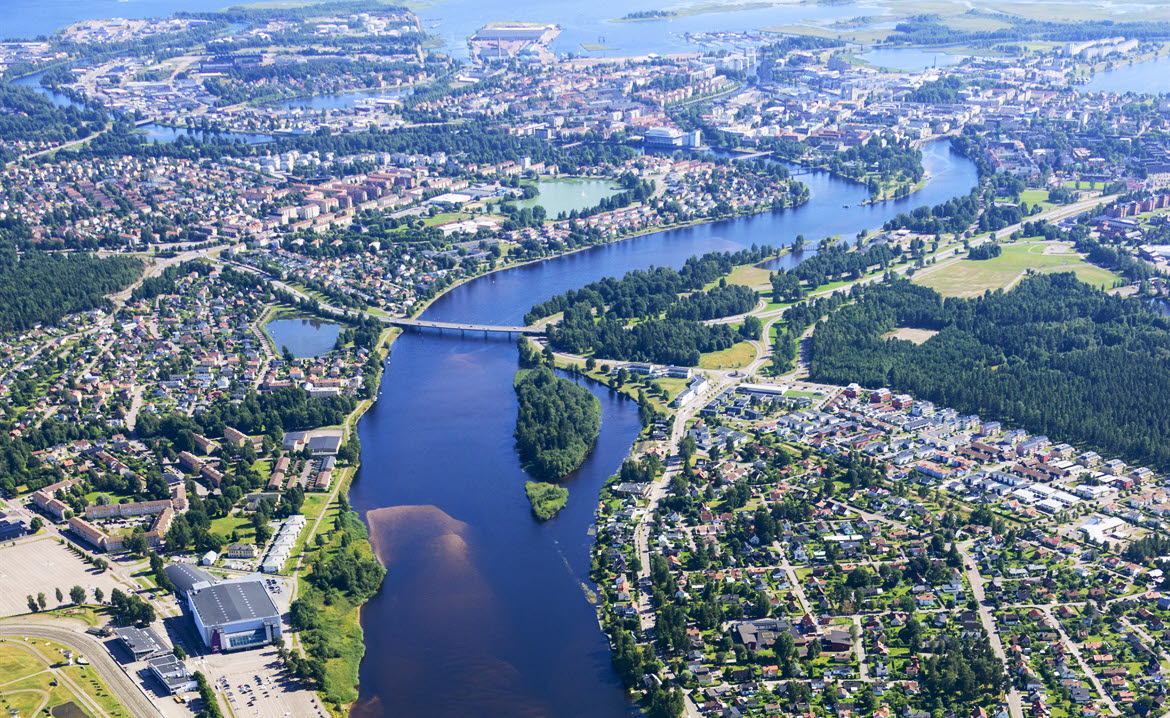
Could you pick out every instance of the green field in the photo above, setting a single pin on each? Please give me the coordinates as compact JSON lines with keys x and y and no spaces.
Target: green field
{"x":971,"y":278}
{"x":749,"y":276}
{"x":1036,"y":196}
{"x":738,"y":355}
{"x":34,"y":678}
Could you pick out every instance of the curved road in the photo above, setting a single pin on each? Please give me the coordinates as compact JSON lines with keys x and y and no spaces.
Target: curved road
{"x":128,"y":692}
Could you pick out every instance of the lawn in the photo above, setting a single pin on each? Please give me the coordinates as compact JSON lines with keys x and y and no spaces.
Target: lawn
{"x":673,"y":386}
{"x":1036,"y":196}
{"x":27,"y":679}
{"x":237,"y":521}
{"x":738,"y":355}
{"x":970,"y":278}
{"x":748,"y":275}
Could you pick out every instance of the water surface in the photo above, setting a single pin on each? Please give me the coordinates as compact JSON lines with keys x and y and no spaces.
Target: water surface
{"x":570,"y":193}
{"x":1151,"y":77}
{"x":303,"y":337}
{"x":483,"y":612}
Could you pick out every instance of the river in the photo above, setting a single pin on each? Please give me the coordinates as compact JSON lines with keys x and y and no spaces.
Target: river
{"x":482,"y":612}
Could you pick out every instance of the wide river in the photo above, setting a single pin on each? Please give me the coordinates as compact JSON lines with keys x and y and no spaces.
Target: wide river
{"x":483,"y":611}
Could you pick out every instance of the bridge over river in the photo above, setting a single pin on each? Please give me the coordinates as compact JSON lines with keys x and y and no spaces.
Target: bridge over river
{"x":407,"y":323}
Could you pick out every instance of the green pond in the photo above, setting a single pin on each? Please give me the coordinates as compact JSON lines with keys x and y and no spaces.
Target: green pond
{"x":568,"y":194}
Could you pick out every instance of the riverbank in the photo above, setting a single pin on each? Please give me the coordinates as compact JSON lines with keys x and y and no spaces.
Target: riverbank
{"x":342,"y":618}
{"x":415,"y":313}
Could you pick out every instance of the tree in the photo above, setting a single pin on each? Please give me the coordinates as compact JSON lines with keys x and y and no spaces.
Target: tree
{"x":752,"y":328}
{"x":36,"y":524}
{"x":41,"y":601}
{"x":33,"y":607}
{"x":687,"y":447}
{"x":60,"y":596}
{"x":98,"y":595}
{"x":77,"y":595}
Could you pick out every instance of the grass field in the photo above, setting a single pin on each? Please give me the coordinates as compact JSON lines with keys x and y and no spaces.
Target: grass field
{"x":748,"y":276}
{"x":1036,"y":196}
{"x":971,"y":278}
{"x":33,"y":678}
{"x":738,"y":355}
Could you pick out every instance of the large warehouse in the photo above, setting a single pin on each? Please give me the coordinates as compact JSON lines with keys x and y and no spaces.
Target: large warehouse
{"x":230,"y":615}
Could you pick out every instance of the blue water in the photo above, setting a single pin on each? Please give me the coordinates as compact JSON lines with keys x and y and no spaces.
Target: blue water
{"x":482,"y":612}
{"x":31,"y":18}
{"x":303,"y":337}
{"x":1151,"y":77}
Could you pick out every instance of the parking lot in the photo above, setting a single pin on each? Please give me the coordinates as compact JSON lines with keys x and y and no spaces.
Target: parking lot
{"x":255,"y":684}
{"x":41,"y":565}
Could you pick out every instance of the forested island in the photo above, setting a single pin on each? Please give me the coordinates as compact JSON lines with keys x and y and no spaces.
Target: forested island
{"x":1053,"y":355}
{"x":556,"y":426}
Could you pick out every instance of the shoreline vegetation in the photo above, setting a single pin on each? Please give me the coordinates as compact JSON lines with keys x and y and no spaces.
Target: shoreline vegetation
{"x":326,"y":624}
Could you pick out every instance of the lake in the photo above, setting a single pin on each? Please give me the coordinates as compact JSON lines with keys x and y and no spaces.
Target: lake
{"x":483,"y":612}
{"x":1151,"y":77}
{"x":303,"y":337}
{"x":570,"y":193}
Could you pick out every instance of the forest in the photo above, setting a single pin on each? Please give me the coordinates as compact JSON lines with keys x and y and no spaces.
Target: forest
{"x":678,"y":342}
{"x":42,"y":287}
{"x":26,"y":116}
{"x":556,"y":425}
{"x":1053,"y":356}
{"x":651,"y":291}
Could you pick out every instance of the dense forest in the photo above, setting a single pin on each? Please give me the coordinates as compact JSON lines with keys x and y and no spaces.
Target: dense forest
{"x":556,"y":425}
{"x":41,"y":287}
{"x":649,"y":292}
{"x":1053,"y":355}
{"x":663,"y":341}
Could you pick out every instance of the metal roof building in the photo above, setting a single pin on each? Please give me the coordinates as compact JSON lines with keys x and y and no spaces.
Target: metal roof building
{"x":185,"y":576}
{"x":234,"y":615}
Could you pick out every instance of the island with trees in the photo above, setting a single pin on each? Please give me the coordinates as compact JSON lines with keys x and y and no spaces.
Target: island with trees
{"x":556,"y":426}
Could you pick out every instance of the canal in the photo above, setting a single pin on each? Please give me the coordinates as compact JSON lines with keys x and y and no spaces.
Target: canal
{"x":483,"y":611}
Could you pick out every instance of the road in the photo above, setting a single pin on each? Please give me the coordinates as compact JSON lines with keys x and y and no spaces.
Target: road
{"x":128,"y":692}
{"x":1015,"y":705}
{"x":1076,"y":653}
{"x":658,"y":490}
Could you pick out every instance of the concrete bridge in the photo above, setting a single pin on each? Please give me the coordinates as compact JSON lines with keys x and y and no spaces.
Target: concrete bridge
{"x":406,"y":323}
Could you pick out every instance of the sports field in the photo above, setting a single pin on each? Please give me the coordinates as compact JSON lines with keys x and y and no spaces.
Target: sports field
{"x":971,"y":278}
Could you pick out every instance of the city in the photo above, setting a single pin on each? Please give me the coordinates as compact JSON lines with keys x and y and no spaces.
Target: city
{"x":756,"y":359}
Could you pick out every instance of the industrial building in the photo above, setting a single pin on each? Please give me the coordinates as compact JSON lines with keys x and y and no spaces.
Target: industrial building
{"x":141,"y":642}
{"x":230,"y":615}
{"x":172,"y":673}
